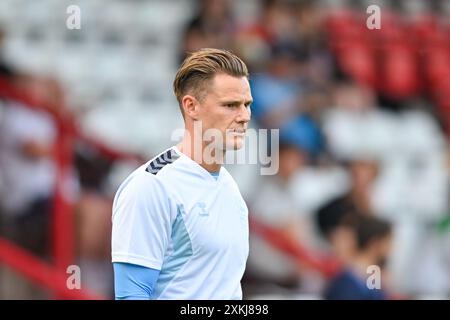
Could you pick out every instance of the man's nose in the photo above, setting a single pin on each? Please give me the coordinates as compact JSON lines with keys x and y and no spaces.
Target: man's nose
{"x":244,"y":114}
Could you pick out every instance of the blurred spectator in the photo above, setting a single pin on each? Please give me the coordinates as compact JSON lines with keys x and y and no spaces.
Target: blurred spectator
{"x":276,"y":23}
{"x":277,"y":92}
{"x":363,"y":175}
{"x":354,"y":126}
{"x":93,"y":212}
{"x":334,"y":216}
{"x":5,"y":69}
{"x":212,"y":26}
{"x":334,"y":224}
{"x":373,"y":244}
{"x":27,"y":139}
{"x":411,"y":187}
{"x":303,"y":132}
{"x":268,"y":269}
{"x":27,"y":142}
{"x":314,"y":43}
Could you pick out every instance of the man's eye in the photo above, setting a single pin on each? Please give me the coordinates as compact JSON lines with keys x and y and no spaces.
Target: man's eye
{"x":230,"y":105}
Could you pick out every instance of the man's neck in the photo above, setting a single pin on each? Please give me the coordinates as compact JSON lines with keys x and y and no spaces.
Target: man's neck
{"x":195,"y":151}
{"x":361,"y":262}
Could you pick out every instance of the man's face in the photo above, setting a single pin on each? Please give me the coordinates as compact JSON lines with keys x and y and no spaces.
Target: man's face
{"x":226,"y":108}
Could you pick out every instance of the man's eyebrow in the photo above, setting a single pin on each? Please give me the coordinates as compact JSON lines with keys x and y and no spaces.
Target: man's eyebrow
{"x":236,"y":101}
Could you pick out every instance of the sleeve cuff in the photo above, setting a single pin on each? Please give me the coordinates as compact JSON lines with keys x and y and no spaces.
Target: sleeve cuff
{"x":137,"y":260}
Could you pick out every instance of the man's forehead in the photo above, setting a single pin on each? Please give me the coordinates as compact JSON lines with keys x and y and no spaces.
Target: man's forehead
{"x":225,"y":86}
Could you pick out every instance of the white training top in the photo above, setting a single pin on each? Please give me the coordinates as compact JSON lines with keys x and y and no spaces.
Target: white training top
{"x":172,"y":215}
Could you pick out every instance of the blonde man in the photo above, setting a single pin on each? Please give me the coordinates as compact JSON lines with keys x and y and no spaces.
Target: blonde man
{"x":180,"y":225}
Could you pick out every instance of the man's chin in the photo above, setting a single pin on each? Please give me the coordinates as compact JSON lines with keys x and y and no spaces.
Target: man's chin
{"x":235,"y":146}
{"x":234,"y":143}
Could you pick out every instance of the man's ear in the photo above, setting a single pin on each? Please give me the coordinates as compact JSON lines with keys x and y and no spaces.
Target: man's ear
{"x":190,"y":107}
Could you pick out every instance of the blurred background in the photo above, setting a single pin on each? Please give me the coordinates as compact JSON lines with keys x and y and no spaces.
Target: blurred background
{"x":364,"y":120}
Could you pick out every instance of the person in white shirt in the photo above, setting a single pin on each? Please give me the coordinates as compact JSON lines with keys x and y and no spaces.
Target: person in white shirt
{"x":28,"y":173}
{"x":180,"y":224}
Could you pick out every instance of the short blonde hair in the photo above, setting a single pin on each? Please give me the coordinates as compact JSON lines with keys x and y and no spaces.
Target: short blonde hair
{"x":201,"y":66}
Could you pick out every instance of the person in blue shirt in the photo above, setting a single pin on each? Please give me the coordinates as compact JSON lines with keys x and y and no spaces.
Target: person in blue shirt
{"x":361,"y":278}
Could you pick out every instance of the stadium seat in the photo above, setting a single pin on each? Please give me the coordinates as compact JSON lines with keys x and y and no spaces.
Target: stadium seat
{"x":358,"y":60}
{"x":437,"y":65}
{"x":399,"y":71}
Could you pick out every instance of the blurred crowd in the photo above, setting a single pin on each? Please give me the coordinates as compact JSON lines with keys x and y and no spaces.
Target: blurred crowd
{"x":363,"y":155}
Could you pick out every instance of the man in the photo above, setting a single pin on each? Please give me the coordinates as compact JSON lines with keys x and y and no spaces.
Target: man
{"x":357,"y":280}
{"x":180,"y":225}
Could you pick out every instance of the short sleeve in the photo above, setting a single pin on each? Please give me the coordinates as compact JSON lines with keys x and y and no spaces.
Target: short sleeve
{"x":132,"y":282}
{"x":141,"y":222}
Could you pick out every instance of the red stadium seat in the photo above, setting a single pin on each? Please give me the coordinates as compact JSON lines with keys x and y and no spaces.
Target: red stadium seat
{"x":357,"y":59}
{"x":344,"y":26}
{"x":437,"y":65}
{"x":441,"y":95}
{"x":424,"y":27}
{"x":341,"y":23}
{"x":393,"y":28}
{"x":399,"y":71}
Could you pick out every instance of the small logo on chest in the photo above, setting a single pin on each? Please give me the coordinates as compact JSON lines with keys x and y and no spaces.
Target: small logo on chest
{"x":200,"y":209}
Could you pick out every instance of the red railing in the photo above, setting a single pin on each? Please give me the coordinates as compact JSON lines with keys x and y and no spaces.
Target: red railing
{"x":40,"y":272}
{"x":326,"y":265}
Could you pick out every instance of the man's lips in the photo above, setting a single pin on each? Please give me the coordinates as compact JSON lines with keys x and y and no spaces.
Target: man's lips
{"x":237,"y":132}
